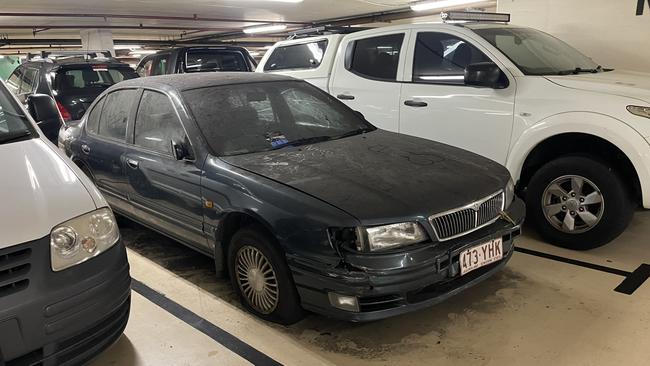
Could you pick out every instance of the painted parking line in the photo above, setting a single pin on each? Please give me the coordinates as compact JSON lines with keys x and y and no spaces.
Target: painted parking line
{"x":632,"y":281}
{"x":219,"y":335}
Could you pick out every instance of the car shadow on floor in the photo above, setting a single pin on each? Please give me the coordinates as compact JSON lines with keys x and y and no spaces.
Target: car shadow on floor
{"x":425,"y":328}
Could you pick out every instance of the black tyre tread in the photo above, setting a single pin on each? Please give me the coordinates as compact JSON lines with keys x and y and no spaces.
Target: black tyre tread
{"x":619,"y":205}
{"x":288,"y":310}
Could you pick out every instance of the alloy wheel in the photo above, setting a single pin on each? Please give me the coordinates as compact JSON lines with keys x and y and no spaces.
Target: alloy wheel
{"x":256,"y":279}
{"x":573,"y":204}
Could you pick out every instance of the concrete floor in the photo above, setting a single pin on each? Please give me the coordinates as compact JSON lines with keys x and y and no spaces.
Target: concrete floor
{"x":537,"y":311}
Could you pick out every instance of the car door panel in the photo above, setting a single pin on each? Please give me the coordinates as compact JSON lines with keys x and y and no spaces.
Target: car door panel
{"x":436,"y":104}
{"x":166,"y":189}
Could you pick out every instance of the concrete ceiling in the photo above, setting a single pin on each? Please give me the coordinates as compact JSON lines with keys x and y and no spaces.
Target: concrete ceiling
{"x":39,"y":21}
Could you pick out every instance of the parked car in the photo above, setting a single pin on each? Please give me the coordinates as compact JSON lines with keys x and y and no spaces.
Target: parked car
{"x":64,"y":276}
{"x":182,"y":60}
{"x":302,"y":201}
{"x":74,"y":79}
{"x":572,"y":134}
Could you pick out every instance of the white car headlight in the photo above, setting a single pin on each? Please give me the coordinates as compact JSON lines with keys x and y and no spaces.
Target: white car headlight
{"x":509,"y":193}
{"x":390,"y":236}
{"x":84,"y":237}
{"x":639,"y":110}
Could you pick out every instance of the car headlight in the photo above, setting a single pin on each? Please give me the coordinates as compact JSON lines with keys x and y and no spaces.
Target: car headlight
{"x":390,"y":236}
{"x":639,"y":110}
{"x":509,"y":193}
{"x":84,"y":237}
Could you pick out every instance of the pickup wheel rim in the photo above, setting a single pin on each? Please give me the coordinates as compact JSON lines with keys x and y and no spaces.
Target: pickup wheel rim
{"x":257,"y":280}
{"x":573,"y":204}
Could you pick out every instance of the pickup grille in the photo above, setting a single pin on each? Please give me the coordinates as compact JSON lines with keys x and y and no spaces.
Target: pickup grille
{"x":14,"y":270}
{"x":464,"y":220}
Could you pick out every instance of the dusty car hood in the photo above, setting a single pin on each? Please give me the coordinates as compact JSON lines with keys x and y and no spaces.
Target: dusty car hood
{"x":38,"y":191}
{"x":381,"y":176}
{"x":622,"y":83}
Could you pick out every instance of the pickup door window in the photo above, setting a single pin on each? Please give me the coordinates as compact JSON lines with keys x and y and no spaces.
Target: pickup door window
{"x":368,"y":79}
{"x":437,"y":105}
{"x":297,"y":56}
{"x":164,"y":191}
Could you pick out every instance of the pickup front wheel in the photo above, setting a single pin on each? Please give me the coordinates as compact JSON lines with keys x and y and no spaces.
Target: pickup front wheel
{"x":578,"y":202}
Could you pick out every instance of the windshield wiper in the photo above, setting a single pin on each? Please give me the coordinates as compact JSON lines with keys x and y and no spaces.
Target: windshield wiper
{"x":13,"y":137}
{"x":579,"y":70}
{"x":358,"y":131}
{"x":304,"y":141}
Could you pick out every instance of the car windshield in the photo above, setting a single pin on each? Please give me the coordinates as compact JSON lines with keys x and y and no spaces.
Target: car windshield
{"x":538,"y":53}
{"x":215,"y":60}
{"x":13,"y":123}
{"x":71,"y":80}
{"x":248,"y":118}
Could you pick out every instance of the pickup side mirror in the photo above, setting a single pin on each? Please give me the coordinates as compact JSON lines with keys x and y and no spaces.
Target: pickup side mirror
{"x":42,"y":108}
{"x":485,"y":75}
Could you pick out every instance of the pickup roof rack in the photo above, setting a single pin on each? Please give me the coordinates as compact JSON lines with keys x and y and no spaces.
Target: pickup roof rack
{"x":86,"y":55}
{"x":325,"y":30}
{"x":474,"y":16}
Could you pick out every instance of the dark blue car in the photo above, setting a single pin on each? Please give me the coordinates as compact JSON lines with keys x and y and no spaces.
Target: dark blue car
{"x":302,"y":202}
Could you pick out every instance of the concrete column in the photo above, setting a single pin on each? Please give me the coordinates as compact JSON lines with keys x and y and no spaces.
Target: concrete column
{"x":97,"y":40}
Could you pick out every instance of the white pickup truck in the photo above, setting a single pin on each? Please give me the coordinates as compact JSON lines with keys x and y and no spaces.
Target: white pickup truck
{"x":575,"y":136}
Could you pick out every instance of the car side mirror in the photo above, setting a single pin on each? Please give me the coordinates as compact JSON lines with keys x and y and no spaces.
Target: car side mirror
{"x":180,"y":151}
{"x":485,"y":75}
{"x":43,"y":108}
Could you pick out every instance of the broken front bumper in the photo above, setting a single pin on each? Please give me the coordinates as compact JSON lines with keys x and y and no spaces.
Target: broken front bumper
{"x":386,"y":285}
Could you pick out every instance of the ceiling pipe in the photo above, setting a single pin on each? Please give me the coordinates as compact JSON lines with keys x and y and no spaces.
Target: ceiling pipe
{"x":149,"y":43}
{"x":195,"y":17}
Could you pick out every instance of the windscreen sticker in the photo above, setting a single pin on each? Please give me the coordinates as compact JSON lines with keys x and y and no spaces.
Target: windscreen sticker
{"x":276,"y":139}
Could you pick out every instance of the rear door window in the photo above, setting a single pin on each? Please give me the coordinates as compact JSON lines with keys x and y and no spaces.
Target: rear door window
{"x":298,"y":56}
{"x":29,"y":81}
{"x":377,"y":57}
{"x":13,"y":83}
{"x":197,"y":60}
{"x":92,"y":123}
{"x":145,"y":69}
{"x":157,"y":124}
{"x":159,"y":65}
{"x":442,"y":58}
{"x":115,"y":114}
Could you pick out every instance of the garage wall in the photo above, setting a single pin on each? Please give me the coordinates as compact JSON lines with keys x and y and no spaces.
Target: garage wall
{"x":609,"y":31}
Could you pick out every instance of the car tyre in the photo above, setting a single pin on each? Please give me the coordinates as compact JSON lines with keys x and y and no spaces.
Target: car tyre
{"x":571,"y":185}
{"x":261,"y":277}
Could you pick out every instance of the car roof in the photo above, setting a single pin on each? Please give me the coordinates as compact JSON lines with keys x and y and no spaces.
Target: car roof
{"x":181,"y":82}
{"x":77,"y":61}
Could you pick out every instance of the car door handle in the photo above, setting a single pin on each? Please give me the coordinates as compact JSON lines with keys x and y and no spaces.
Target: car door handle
{"x":415,"y":103}
{"x":345,"y":97}
{"x":85,"y":149}
{"x":133,"y":164}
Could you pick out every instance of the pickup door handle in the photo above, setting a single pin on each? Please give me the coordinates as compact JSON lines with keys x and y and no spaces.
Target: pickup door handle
{"x":133,"y":164}
{"x":345,"y":97}
{"x":415,"y":103}
{"x":85,"y":149}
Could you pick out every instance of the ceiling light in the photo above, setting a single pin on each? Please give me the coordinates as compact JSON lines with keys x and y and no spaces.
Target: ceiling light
{"x":286,"y":1}
{"x":265,"y":28}
{"x":431,"y":5}
{"x":143,"y":52}
{"x":127,"y":46}
{"x":253,"y":53}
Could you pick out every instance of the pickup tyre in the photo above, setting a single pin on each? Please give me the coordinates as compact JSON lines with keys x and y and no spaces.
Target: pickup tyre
{"x":578,"y":202}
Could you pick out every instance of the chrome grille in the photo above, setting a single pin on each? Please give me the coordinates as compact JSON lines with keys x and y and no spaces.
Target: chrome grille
{"x":458,"y":222}
{"x":14,"y":270}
